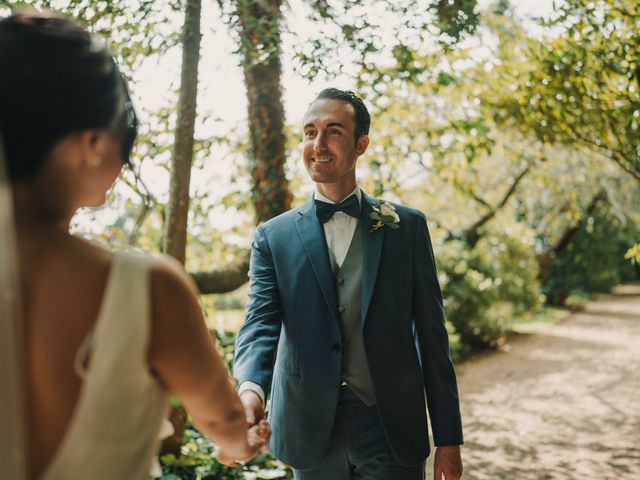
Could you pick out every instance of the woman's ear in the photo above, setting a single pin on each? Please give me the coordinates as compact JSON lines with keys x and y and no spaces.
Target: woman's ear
{"x":90,"y":146}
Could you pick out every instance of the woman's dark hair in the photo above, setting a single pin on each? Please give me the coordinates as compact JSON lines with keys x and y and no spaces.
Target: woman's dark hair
{"x":56,"y":79}
{"x":362,"y":117}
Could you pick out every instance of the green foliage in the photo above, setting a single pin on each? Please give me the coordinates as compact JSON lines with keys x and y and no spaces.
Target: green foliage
{"x":577,"y":300}
{"x":361,"y":33}
{"x":456,"y":17}
{"x":580,"y":86}
{"x":595,"y":261}
{"x":197,"y":462}
{"x":225,"y":343}
{"x":633,"y":254}
{"x":486,"y":287}
{"x":135,"y":30}
{"x":446,"y":123}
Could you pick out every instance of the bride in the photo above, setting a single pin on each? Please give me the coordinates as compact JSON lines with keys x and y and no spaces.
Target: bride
{"x":94,"y":342}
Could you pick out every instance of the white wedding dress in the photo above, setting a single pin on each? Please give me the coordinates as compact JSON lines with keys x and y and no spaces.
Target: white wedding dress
{"x":113,"y":434}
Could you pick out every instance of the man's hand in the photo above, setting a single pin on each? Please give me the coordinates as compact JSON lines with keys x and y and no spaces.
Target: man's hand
{"x":253,"y":407}
{"x":447,"y":463}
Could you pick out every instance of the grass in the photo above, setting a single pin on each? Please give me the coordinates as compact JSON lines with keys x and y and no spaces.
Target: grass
{"x":539,"y":321}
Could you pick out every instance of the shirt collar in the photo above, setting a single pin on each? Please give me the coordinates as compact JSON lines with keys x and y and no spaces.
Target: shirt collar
{"x":357,"y":192}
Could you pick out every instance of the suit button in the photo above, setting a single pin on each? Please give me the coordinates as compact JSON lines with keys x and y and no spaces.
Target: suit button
{"x":341,"y":309}
{"x":340,"y":280}
{"x":336,"y":347}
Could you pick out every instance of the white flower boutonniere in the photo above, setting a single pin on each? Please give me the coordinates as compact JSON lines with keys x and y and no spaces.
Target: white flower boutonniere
{"x":385,"y":215}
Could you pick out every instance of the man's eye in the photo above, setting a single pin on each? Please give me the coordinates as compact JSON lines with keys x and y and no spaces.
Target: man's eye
{"x":309,"y":133}
{"x":334,"y":131}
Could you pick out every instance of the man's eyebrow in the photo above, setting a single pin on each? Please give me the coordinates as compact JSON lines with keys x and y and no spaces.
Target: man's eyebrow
{"x":332,"y":124}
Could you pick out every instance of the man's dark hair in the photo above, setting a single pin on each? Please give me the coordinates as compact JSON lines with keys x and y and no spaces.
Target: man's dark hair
{"x":362,"y":117}
{"x":56,"y":79}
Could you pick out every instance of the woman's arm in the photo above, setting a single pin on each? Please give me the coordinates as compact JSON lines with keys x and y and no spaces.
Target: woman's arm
{"x":183,"y":354}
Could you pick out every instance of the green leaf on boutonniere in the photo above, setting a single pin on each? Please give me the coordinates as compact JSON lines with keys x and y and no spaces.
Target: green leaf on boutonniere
{"x":385,"y":216}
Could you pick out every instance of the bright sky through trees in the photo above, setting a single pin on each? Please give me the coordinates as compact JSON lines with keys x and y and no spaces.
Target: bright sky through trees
{"x":222,"y":100}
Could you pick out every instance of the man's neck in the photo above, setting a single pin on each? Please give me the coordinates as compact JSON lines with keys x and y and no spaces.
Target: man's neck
{"x":335,"y":192}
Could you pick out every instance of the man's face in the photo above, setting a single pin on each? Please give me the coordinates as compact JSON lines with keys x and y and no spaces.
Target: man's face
{"x":329,"y":145}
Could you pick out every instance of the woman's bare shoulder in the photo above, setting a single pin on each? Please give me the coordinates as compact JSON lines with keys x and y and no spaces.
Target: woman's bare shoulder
{"x":173,"y":292}
{"x":169,"y":276}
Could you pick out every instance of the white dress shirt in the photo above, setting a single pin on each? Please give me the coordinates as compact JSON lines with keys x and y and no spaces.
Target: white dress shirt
{"x":338,"y":232}
{"x":339,"y":229}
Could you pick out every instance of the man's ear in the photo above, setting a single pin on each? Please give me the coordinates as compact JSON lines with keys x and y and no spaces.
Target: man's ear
{"x":362,"y":144}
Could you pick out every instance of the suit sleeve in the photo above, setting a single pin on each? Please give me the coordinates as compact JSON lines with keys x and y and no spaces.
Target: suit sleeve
{"x":433,"y":343}
{"x":257,"y":339}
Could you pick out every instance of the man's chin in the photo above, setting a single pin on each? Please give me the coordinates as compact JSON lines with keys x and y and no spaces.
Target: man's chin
{"x":315,"y":178}
{"x":318,"y":177}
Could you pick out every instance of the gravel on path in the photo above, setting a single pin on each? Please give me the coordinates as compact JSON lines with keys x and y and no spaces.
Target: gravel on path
{"x":560,"y":404}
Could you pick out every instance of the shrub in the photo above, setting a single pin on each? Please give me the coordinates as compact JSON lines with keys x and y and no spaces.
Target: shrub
{"x":595,"y":259}
{"x":486,"y":287}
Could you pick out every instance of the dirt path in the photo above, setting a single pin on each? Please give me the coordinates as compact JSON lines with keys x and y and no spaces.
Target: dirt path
{"x":563,"y":404}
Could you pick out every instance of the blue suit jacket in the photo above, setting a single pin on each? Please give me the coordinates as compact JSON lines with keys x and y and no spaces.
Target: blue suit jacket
{"x":290,"y":343}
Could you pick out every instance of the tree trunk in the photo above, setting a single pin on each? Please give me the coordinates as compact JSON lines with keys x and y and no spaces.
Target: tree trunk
{"x":259,"y":22}
{"x":178,"y":210}
{"x":553,"y":252}
{"x":259,"y":29}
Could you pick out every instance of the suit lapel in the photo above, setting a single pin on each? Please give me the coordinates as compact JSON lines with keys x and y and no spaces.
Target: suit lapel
{"x":371,"y":252}
{"x":312,"y":237}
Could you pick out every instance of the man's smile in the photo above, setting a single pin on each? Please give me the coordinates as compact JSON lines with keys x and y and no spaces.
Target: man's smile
{"x":322,"y":159}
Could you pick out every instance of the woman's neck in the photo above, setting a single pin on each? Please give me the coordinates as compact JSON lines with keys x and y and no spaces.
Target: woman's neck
{"x":33,"y":212}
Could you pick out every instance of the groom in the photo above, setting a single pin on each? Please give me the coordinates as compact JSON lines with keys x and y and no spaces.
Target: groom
{"x":345,"y":325}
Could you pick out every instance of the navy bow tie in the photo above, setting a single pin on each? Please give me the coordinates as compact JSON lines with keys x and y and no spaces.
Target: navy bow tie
{"x":325,"y":210}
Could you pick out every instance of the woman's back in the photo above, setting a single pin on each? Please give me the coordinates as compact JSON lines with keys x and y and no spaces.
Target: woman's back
{"x":81,"y":296}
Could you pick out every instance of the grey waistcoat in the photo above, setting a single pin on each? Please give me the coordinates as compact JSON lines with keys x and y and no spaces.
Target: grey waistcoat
{"x":348,"y":278}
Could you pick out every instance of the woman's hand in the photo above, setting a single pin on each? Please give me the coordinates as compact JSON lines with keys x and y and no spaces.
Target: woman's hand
{"x":259,"y":435}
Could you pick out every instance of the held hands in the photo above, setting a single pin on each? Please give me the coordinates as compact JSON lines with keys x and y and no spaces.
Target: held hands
{"x":257,"y":439}
{"x":259,"y":432}
{"x":254,"y":412}
{"x":448,"y":463}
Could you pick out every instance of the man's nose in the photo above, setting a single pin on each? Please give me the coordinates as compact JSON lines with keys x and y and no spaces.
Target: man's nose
{"x":320,"y":145}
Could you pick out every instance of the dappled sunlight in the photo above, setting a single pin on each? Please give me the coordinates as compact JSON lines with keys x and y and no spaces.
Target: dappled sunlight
{"x":562,"y":404}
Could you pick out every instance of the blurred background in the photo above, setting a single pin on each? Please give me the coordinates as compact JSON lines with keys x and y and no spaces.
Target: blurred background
{"x":514,"y":125}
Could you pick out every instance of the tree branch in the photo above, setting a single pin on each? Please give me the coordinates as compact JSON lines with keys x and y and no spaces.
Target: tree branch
{"x":224,"y":280}
{"x":618,"y":156}
{"x":471,"y":235}
{"x":148,"y":202}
